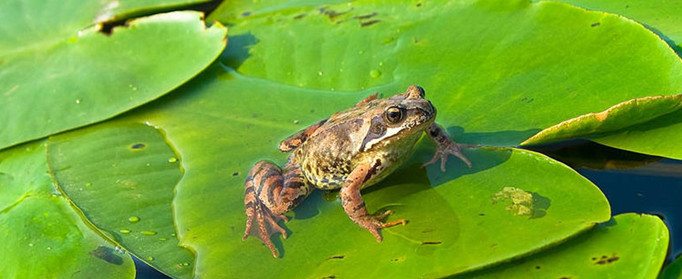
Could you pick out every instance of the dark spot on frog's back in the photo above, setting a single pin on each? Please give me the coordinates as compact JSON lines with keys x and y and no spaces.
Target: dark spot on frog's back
{"x":368,"y":23}
{"x":595,"y":24}
{"x":299,"y":16}
{"x":338,"y":257}
{"x":245,"y":14}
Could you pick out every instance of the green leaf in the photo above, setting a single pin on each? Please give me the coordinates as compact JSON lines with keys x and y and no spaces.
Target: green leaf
{"x":662,"y":17}
{"x":503,"y":70}
{"x":132,"y":168}
{"x":673,"y":270}
{"x":453,"y":216}
{"x":51,"y":81}
{"x":231,"y":11}
{"x":42,"y":236}
{"x":629,"y":246}
{"x":647,"y":125}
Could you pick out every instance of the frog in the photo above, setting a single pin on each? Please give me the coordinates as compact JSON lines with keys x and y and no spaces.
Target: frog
{"x":348,"y":151}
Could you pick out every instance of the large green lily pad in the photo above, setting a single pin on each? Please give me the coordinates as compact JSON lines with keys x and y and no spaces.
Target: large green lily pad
{"x":503,"y":69}
{"x":53,"y":80}
{"x":599,"y":253}
{"x":42,"y":236}
{"x":454,"y":216}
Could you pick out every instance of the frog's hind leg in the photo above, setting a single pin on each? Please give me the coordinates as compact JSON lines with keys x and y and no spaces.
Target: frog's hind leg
{"x":268,"y":195}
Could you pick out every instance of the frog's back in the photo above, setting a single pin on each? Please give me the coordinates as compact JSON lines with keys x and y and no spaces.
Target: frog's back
{"x":327,"y":155}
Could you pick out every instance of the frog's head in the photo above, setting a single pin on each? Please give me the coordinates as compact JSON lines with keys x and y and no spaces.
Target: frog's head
{"x":399,"y":117}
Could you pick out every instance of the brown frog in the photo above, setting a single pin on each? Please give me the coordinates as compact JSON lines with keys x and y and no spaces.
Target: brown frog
{"x":350,"y":150}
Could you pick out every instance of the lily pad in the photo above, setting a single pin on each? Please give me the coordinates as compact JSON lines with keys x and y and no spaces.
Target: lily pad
{"x":230,"y":11}
{"x":673,"y":270}
{"x":499,"y":72}
{"x":662,"y":17}
{"x":41,"y":234}
{"x":55,"y":80}
{"x":123,"y":180}
{"x":607,"y":251}
{"x":647,"y":125}
{"x":503,"y":69}
{"x":454,"y":217}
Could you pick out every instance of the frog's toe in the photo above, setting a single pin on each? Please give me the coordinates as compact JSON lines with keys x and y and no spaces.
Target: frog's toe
{"x":373,"y":223}
{"x":266,"y":224}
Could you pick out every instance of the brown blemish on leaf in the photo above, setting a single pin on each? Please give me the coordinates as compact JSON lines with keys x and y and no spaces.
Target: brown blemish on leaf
{"x":299,"y":16}
{"x":399,"y":259}
{"x":595,"y":24}
{"x":368,"y":23}
{"x":332,"y":14}
{"x":339,"y":257}
{"x":523,"y":203}
{"x":138,"y":146}
{"x":366,"y":16}
{"x":601,"y":116}
{"x":431,"y":242}
{"x":606,"y":259}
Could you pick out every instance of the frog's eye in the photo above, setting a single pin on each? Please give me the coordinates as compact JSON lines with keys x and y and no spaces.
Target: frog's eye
{"x":395,"y":114}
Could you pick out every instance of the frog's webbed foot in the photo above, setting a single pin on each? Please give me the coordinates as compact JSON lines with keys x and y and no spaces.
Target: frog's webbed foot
{"x":445,"y":150}
{"x":267,"y":195}
{"x":446,"y":146}
{"x":266,"y":223}
{"x":374,"y":223}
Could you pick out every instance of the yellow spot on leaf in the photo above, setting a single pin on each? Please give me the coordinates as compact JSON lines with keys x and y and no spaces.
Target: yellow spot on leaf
{"x":523,"y":203}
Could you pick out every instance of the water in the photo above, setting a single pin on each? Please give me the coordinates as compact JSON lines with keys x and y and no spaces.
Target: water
{"x":631,"y":182}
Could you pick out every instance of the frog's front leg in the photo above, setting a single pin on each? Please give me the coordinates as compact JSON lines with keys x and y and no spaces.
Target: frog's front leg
{"x":354,"y":205}
{"x":268,"y":195}
{"x":446,"y":146}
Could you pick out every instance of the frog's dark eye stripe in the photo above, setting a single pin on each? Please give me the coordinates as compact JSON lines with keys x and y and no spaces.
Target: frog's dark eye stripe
{"x":395,"y":114}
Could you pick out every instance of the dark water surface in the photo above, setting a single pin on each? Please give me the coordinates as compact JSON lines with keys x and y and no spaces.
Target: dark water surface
{"x":632,"y":182}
